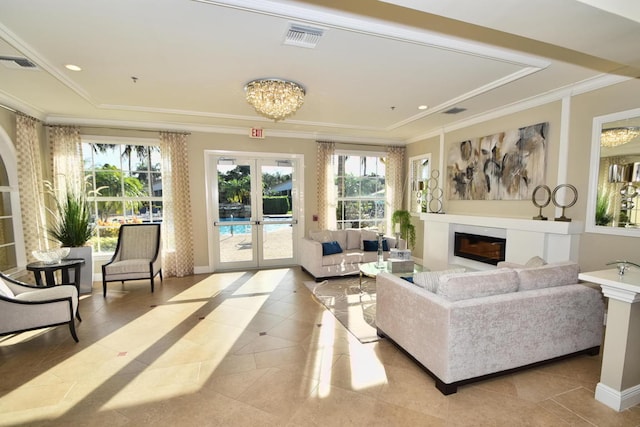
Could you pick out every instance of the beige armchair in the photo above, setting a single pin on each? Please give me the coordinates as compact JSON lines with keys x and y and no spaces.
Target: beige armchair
{"x":137,"y":255}
{"x":24,"y":307}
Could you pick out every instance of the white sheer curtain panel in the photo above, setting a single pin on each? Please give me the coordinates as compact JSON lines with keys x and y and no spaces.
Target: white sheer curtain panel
{"x":30,"y":184}
{"x":394,"y":181}
{"x":177,"y":228}
{"x":66,"y":159}
{"x":326,"y":186}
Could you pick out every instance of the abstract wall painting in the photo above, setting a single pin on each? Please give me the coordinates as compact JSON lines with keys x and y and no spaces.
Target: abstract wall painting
{"x":505,"y":166}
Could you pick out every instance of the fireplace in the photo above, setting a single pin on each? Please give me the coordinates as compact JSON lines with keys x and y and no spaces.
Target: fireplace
{"x":486,"y":249}
{"x":554,"y":241}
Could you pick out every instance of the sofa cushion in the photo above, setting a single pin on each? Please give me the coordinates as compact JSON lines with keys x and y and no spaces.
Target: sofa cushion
{"x":5,"y":290}
{"x":346,"y":259}
{"x":48,"y":293}
{"x":321,"y":236}
{"x":330,"y":248}
{"x":128,"y":266}
{"x":509,"y":264}
{"x":555,"y":274}
{"x":391,"y":241}
{"x":535,"y":261}
{"x":372,"y":245}
{"x":354,"y":240}
{"x":367,"y":235}
{"x":478,"y":284}
{"x":340,"y":236}
{"x":430,"y":280}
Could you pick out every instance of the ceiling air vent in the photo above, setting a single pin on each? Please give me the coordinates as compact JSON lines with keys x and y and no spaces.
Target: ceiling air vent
{"x":303,"y":36}
{"x":17,"y":62}
{"x":455,"y":110}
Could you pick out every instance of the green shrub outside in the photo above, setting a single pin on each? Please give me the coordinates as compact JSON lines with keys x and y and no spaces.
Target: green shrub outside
{"x":273,"y":205}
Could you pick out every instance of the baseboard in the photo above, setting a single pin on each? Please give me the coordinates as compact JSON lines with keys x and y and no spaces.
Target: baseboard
{"x":618,"y":400}
{"x":202,"y":269}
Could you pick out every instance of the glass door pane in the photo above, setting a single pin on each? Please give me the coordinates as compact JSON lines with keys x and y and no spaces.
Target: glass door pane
{"x":277,"y":219}
{"x":254,"y":207}
{"x":236,"y":232}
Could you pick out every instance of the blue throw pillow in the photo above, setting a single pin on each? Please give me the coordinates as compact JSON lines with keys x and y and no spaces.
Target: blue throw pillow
{"x":330,"y":248}
{"x":372,"y":245}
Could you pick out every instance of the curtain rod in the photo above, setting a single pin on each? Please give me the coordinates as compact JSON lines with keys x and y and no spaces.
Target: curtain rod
{"x":122,"y":129}
{"x":6,"y":107}
{"x":112,"y":128}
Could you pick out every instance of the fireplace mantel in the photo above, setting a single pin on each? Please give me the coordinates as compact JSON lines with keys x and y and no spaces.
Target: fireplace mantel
{"x":550,"y":240}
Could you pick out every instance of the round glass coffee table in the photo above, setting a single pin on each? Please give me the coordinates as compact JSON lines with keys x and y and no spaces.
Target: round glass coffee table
{"x":371,"y":269}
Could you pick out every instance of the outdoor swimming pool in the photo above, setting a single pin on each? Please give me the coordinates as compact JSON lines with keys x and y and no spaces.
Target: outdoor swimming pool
{"x":246,"y":228}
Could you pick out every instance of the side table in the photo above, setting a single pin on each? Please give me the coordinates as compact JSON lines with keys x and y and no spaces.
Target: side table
{"x":49,"y":270}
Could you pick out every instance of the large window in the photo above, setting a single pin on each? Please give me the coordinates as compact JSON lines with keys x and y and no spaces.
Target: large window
{"x":124,"y":185}
{"x":360,"y":190}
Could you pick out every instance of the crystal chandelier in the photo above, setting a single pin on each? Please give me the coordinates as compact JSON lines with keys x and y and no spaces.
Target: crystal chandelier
{"x":613,"y":137}
{"x":275,"y":98}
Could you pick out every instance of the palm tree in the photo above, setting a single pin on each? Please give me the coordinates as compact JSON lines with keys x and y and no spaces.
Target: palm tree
{"x":236,"y":190}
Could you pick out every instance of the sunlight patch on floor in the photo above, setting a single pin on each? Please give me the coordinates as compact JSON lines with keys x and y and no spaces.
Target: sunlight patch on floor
{"x":10,"y":340}
{"x":263,"y":281}
{"x":204,"y":346}
{"x":367,"y":372}
{"x":322,"y":359}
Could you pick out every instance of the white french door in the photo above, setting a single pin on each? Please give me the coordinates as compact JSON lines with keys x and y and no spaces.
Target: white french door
{"x":254,"y":210}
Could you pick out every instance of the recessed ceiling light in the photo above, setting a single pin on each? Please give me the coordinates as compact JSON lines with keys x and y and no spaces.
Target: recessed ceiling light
{"x":73,"y":67}
{"x":422,"y":107}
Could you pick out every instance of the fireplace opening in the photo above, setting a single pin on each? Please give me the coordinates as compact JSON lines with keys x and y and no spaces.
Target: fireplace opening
{"x":487,"y":249}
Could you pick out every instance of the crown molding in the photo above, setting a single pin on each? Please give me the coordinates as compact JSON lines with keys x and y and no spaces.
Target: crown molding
{"x":42,"y":62}
{"x":18,"y":105}
{"x":582,"y":87}
{"x":228,"y":130}
{"x":585,"y":86}
{"x":473,"y":93}
{"x":253,"y":118}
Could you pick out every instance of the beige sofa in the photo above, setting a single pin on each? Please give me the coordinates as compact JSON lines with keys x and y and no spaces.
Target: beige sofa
{"x":345,"y":263}
{"x":462,"y":327}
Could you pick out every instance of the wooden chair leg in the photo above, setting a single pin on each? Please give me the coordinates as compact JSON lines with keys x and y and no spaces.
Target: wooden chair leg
{"x":72,"y":328}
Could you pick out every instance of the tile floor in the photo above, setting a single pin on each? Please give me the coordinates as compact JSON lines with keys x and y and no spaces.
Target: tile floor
{"x":254,"y":349}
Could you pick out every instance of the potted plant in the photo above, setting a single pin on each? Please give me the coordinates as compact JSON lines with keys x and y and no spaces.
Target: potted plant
{"x":407,"y":229}
{"x":71,"y":227}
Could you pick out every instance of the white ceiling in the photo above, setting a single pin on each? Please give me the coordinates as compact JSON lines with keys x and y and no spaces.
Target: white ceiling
{"x":375,"y":63}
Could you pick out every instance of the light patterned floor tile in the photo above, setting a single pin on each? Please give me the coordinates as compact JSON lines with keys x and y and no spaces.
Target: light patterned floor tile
{"x":255,"y":348}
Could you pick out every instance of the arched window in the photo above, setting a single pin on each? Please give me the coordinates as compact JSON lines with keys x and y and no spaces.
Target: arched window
{"x":12,"y":253}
